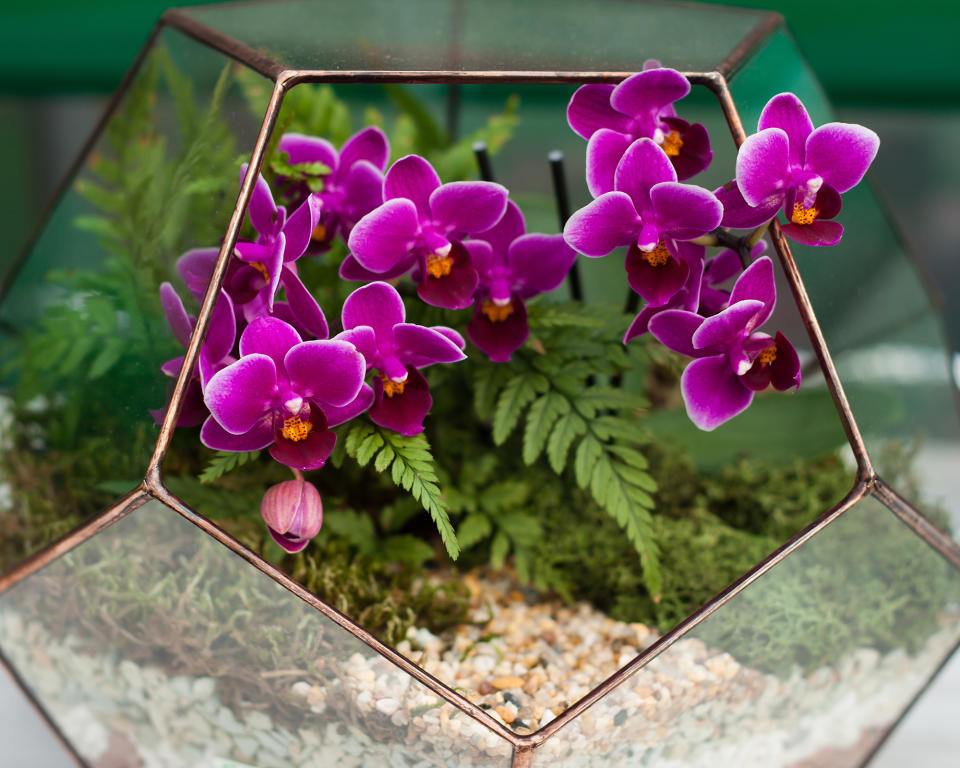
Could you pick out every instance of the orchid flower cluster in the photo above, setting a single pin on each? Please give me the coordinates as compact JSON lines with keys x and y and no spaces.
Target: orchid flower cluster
{"x":273,"y":374}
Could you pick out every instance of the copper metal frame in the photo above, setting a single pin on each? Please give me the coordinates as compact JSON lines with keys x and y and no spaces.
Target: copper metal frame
{"x":866,"y":482}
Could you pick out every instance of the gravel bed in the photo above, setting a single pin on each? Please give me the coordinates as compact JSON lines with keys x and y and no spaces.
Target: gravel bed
{"x":694,"y":706}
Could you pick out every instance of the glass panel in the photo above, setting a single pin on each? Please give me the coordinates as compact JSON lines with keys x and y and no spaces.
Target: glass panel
{"x":82,"y":332}
{"x":885,"y":336}
{"x":487,"y":35}
{"x":153,"y":639}
{"x":807,"y":666}
{"x":928,"y":735}
{"x":28,"y":741}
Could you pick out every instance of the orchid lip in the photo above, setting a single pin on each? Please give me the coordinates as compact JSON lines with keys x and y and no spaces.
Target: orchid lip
{"x":294,"y":404}
{"x":501,"y":302}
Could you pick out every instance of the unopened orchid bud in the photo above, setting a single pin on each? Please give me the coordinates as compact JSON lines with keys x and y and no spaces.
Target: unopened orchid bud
{"x":293,"y":513}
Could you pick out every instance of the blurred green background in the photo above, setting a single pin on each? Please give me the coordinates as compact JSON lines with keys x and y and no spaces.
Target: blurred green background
{"x":883,"y":64}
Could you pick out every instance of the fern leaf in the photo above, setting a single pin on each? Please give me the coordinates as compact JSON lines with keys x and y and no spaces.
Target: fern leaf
{"x":517,"y":395}
{"x":588,"y":453}
{"x":542,"y":416}
{"x":474,"y":529}
{"x":224,"y":462}
{"x":567,"y":429}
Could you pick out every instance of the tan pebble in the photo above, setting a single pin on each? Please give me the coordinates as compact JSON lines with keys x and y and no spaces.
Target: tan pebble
{"x":503,"y":683}
{"x":532,"y":685}
{"x":644,"y":692}
{"x":484,"y":688}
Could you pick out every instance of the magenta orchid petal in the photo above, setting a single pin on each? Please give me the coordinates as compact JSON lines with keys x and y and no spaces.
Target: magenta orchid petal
{"x":657,"y":284}
{"x":643,"y":166}
{"x":468,"y":206}
{"x":370,"y":145}
{"x":695,"y":153}
{"x":786,"y":112}
{"x":712,"y":393}
{"x":312,"y":451}
{"x":268,"y":336}
{"x":763,"y":167}
{"x":304,"y":306}
{"x":221,"y":337}
{"x":489,"y":263}
{"x":757,"y":283}
{"x":820,"y":233}
{"x":499,"y":340}
{"x":241,"y":393}
{"x":350,"y":269}
{"x":723,"y":330}
{"x":299,"y":228}
{"x":609,"y":221}
{"x":726,"y":264}
{"x":685,"y":211}
{"x":362,"y":191}
{"x":648,"y":92}
{"x":539,"y":262}
{"x":364,"y":338}
{"x":419,"y":347}
{"x":453,"y":336}
{"x":604,"y":150}
{"x":841,"y":153}
{"x":377,"y":305}
{"x":589,"y":110}
{"x":195,"y":268}
{"x":327,"y":371}
{"x":176,"y":314}
{"x":171,"y":367}
{"x":337,"y":415}
{"x":259,"y":436}
{"x":455,"y":289}
{"x":263,"y":211}
{"x":414,"y":179}
{"x":510,"y":226}
{"x":403,"y":412}
{"x":785,"y":369}
{"x":674,"y":328}
{"x":738,"y":213}
{"x":382,"y":238}
{"x":308,"y":149}
{"x":641,"y":323}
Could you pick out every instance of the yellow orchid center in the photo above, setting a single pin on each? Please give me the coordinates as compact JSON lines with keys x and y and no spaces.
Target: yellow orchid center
{"x":261,"y":269}
{"x":391,"y":387}
{"x":803,"y":215}
{"x":657,"y":257}
{"x":672,"y":144}
{"x":439,"y":266}
{"x":768,"y":355}
{"x":496,"y":313}
{"x":319,"y":234}
{"x":296,"y":429}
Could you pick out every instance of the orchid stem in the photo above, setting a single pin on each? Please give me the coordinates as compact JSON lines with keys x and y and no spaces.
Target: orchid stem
{"x":563,"y":213}
{"x":483,"y":160}
{"x":754,"y":237}
{"x":297,"y":474}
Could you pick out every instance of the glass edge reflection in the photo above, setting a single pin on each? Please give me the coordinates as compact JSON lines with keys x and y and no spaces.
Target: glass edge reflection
{"x":42,"y":712}
{"x":9,"y":277}
{"x":918,"y":522}
{"x":60,"y":546}
{"x":437,"y":687}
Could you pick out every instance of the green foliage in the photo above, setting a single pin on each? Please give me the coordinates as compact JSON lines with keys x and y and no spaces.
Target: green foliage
{"x":556,"y":394}
{"x":411,"y":467}
{"x":224,"y":462}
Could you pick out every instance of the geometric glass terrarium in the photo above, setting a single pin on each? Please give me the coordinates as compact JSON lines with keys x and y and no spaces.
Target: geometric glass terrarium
{"x":164,"y":629}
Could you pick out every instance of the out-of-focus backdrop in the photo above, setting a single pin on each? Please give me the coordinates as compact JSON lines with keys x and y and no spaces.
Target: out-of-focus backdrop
{"x":884,"y":63}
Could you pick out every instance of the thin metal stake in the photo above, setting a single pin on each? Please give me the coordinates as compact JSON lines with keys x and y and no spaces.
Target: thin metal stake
{"x":563,"y":213}
{"x":483,"y":160}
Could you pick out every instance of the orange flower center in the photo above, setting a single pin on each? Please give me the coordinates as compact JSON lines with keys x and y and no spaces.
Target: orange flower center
{"x":768,"y":355}
{"x":296,"y":429}
{"x":657,"y":257}
{"x":672,"y":144}
{"x":319,"y":234}
{"x":803,"y":215}
{"x":391,"y":387}
{"x":261,"y":269}
{"x":438,"y":266}
{"x":496,"y":313}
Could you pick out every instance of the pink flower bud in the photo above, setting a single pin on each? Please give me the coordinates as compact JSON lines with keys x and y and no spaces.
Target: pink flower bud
{"x":293,"y":513}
